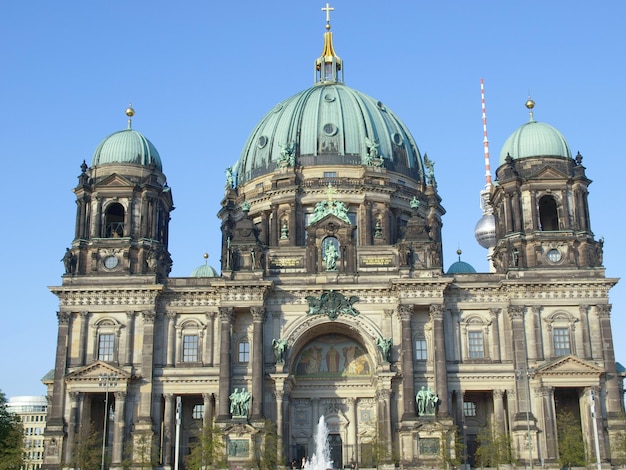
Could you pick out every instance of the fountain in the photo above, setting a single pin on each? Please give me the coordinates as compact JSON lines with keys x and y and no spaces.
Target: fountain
{"x":320,"y":460}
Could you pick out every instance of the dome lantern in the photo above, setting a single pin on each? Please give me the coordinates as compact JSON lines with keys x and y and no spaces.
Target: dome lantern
{"x":328,"y":67}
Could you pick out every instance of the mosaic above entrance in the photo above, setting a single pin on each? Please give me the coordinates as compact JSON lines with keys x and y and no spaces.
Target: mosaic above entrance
{"x":333,"y":356}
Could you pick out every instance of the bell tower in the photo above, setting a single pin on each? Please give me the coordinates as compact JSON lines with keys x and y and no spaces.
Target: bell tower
{"x":123,"y":210}
{"x":540,"y":203}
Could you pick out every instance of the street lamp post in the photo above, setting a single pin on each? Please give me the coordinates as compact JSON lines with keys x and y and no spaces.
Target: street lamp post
{"x":528,"y":373}
{"x":106,"y":381}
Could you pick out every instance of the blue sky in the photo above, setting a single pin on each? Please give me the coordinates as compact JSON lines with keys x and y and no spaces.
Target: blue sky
{"x":201,"y":74}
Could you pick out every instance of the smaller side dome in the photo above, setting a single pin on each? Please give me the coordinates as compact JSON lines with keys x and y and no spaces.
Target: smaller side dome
{"x":127,"y":146}
{"x":535,"y":139}
{"x":204,"y":271}
{"x":460,"y":267}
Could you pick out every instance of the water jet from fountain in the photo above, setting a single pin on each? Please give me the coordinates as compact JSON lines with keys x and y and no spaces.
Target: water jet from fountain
{"x":320,"y":460}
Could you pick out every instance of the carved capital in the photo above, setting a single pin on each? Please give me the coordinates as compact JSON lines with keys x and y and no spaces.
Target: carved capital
{"x":494,"y":312}
{"x":131,"y":315}
{"x":120,"y":396}
{"x":516,"y":312}
{"x":436,"y":311}
{"x":148,"y":317}
{"x":583,"y":309}
{"x":210,"y":316}
{"x":74,"y":397}
{"x":405,"y":312}
{"x":604,"y":310}
{"x":258,"y":313}
{"x":171,"y":315}
{"x":498,"y":394}
{"x":85,"y":315}
{"x":64,"y":318}
{"x":226,"y":313}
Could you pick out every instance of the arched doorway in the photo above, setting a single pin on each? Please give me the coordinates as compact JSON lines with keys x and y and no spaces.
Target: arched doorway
{"x":332,"y":374}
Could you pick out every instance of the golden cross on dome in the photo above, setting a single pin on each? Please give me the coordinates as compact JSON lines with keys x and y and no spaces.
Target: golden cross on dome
{"x":330,"y":191}
{"x":328,"y":9}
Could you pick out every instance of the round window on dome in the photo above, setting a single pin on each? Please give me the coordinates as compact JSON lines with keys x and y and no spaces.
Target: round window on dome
{"x":329,"y":98}
{"x":380,"y":105}
{"x":330,"y":129}
{"x":554,"y":255}
{"x":262,"y":142}
{"x":397,"y":138}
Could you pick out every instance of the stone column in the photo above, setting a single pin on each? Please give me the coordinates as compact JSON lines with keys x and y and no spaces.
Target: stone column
{"x":551,"y":451}
{"x":168,"y":428}
{"x":383,"y":397}
{"x":584,"y":320}
{"x":520,"y":362}
{"x":275,"y":227}
{"x":537,"y":336}
{"x":72,"y":425}
{"x":171,"y":339}
{"x":498,"y":409}
{"x":84,"y":336}
{"x":441,"y":371}
{"x":56,"y":406}
{"x":354,"y":428}
{"x":517,"y":212}
{"x":495,"y":326}
{"x":209,"y":412}
{"x":292,"y":225}
{"x":209,"y":358}
{"x":130,"y":335}
{"x":613,"y":405}
{"x":405,"y":313}
{"x":118,"y":429}
{"x":146,"y":371}
{"x":226,"y":315}
{"x":258,"y":316}
{"x":509,"y":212}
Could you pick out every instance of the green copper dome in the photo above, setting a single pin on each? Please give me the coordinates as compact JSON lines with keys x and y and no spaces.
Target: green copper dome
{"x":535,"y":139}
{"x":204,"y":271}
{"x":461,"y":267}
{"x":127,"y":146}
{"x":330,"y":124}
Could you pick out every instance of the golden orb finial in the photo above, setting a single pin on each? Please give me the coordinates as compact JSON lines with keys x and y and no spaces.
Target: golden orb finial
{"x":459,"y":252}
{"x":205,"y":256}
{"x":130,"y":112}
{"x":530,"y":104}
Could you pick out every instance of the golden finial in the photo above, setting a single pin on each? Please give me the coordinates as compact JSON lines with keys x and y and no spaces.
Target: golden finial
{"x":330,"y":191}
{"x":130,"y":112}
{"x":530,"y":104}
{"x":206,"y":257}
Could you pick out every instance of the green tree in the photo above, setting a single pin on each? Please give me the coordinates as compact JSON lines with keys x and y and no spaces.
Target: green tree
{"x":267,"y":454}
{"x":494,"y":448}
{"x":87,"y":453}
{"x":571,"y":444}
{"x":141,"y":452}
{"x":11,"y":438}
{"x":208,"y":450}
{"x":451,"y":447}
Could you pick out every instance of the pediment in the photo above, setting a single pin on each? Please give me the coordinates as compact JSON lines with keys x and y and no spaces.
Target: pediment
{"x":570,"y":366}
{"x":549,"y":173}
{"x":115,"y":180}
{"x":329,"y":219}
{"x":89,"y":375}
{"x":239,"y":430}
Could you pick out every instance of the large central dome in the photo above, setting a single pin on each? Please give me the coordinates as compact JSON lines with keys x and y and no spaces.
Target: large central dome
{"x":329,"y":124}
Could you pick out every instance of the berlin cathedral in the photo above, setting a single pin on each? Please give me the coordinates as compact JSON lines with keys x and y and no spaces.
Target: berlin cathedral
{"x":331,"y":300}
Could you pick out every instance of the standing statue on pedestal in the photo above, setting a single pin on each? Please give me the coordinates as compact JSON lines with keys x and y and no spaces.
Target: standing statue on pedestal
{"x":330,"y":256}
{"x":240,"y":403}
{"x":427,"y":402}
{"x":279,"y":346}
{"x":385,"y":347}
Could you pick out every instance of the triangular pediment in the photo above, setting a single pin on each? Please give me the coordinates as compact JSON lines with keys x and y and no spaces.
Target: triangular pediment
{"x":569,"y":366}
{"x":549,"y":173}
{"x":329,"y":219}
{"x":90,"y":374}
{"x":115,"y":180}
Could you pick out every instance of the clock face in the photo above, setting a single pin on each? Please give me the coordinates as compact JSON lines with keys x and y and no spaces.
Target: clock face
{"x":554,"y":255}
{"x":111,"y":262}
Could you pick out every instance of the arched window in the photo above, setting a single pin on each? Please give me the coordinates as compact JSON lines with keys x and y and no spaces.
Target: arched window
{"x":114,"y":220}
{"x":548,"y":217}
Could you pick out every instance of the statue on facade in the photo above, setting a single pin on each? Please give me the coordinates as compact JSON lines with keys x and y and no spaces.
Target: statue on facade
{"x":284,"y":231}
{"x":385,"y":347}
{"x":427,"y":402}
{"x":69,"y":261}
{"x":240,"y":403}
{"x":330,"y":256}
{"x":287,"y":156}
{"x":230,"y":180}
{"x":279,"y":346}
